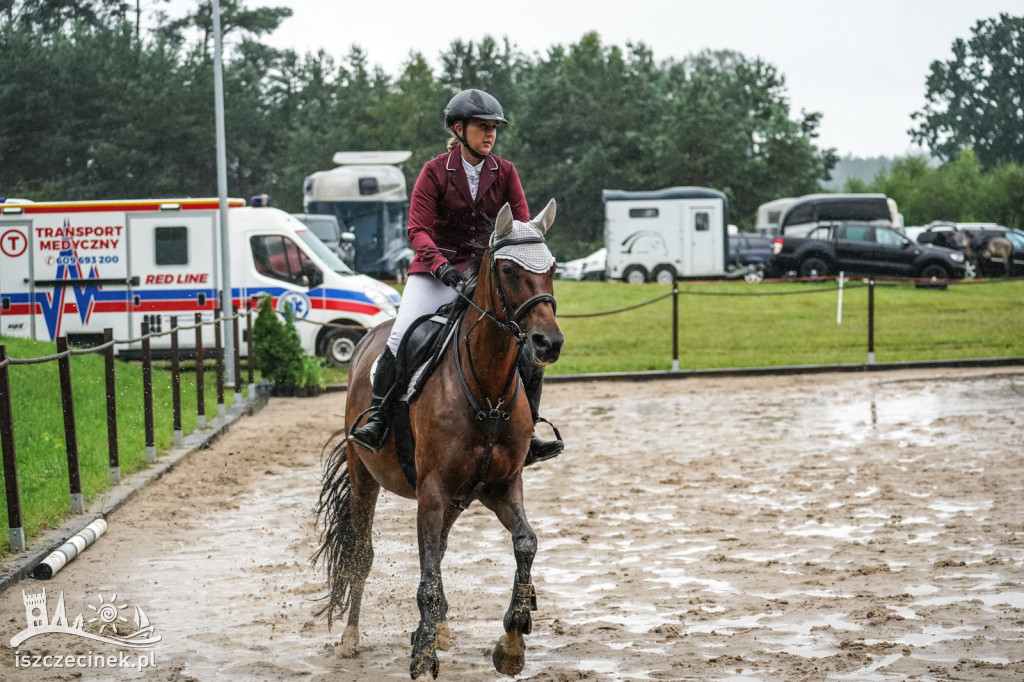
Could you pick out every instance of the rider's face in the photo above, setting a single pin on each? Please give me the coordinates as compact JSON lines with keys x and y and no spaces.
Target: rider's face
{"x":481,"y":136}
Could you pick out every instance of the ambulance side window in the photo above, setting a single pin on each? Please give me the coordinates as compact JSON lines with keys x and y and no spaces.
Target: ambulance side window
{"x":171,"y":244}
{"x":278,"y":257}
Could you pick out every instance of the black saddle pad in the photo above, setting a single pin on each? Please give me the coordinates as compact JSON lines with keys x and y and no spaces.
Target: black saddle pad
{"x":418,"y":356}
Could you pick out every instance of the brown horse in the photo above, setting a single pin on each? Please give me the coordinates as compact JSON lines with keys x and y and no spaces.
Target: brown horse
{"x":978,"y":249}
{"x":463,"y":451}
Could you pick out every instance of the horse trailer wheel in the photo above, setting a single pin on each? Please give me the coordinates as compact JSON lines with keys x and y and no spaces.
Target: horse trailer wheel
{"x":340,"y":344}
{"x":814,"y":267}
{"x":664,"y":274}
{"x":634,"y":274}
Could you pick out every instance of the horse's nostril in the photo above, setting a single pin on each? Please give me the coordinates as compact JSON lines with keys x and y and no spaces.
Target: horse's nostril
{"x":540,"y":342}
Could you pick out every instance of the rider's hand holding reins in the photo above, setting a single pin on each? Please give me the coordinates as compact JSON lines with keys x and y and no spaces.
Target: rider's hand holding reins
{"x":449,"y":275}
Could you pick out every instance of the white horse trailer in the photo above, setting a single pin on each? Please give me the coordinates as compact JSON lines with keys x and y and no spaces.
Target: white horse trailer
{"x":666,"y":234}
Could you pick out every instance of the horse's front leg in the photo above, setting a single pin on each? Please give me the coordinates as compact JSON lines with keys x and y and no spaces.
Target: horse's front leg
{"x":509,"y":655}
{"x":430,"y":525}
{"x":444,"y":633}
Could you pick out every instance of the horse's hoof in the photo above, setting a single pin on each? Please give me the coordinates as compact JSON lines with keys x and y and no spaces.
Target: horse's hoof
{"x":348,"y":647}
{"x":420,"y":664}
{"x":509,"y":655}
{"x":444,"y":637}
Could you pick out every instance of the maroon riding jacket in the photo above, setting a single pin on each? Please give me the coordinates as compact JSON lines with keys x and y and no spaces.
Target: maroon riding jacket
{"x":445,"y":224}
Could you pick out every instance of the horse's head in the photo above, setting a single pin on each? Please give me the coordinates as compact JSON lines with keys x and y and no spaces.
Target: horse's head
{"x":522,"y":268}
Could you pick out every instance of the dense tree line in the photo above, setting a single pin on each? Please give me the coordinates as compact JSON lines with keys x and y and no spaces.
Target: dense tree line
{"x":98,"y":106}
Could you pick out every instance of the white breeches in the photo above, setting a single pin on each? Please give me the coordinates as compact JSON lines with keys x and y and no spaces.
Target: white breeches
{"x":423,"y":294}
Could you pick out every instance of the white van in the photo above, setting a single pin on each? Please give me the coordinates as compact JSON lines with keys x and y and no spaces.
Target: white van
{"x":810,"y":210}
{"x":769,"y":214}
{"x":74,"y":268}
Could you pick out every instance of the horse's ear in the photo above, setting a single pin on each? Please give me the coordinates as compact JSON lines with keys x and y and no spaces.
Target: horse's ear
{"x":503,"y":223}
{"x":544,"y":219}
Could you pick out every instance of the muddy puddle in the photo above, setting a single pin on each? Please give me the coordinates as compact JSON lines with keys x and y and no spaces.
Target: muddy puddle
{"x":821,"y":527}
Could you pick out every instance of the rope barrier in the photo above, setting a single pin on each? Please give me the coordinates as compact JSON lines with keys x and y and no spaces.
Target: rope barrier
{"x":618,"y":310}
{"x":854,"y":283}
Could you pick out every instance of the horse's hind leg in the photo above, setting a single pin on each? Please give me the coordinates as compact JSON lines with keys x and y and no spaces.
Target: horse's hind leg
{"x":509,"y":655}
{"x":363,"y":502}
{"x":430,"y":526}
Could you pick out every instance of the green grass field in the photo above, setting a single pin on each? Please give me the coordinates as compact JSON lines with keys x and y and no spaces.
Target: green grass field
{"x":736,"y":324}
{"x":721,"y":325}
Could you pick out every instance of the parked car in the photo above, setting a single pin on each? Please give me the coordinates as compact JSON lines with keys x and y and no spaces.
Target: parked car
{"x":749,"y":253}
{"x":859,"y":248}
{"x":332,"y":233}
{"x":948,"y":234}
{"x":591,"y":267}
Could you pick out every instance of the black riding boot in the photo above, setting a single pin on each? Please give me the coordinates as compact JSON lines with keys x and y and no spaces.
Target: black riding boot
{"x":371,"y":435}
{"x":533,"y":380}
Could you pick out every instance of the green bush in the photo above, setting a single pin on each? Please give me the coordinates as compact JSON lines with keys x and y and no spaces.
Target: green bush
{"x":278,"y":351}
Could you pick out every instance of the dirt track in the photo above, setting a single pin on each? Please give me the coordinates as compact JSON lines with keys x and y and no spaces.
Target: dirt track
{"x":840,"y":527}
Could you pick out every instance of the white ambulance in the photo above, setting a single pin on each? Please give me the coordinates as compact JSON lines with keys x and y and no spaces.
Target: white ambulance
{"x":74,"y":268}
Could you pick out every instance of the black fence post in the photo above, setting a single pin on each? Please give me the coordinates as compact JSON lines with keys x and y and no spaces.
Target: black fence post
{"x":871,"y":321}
{"x":675,"y":327}
{"x":70,"y":435}
{"x":176,"y":379}
{"x":147,"y":394}
{"x":15,"y":529}
{"x":219,"y":360}
{"x":249,"y":347}
{"x":238,"y":355}
{"x":200,"y":381}
{"x":111,"y":379}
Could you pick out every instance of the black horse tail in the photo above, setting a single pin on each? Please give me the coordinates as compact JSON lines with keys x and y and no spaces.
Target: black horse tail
{"x":337,"y":539}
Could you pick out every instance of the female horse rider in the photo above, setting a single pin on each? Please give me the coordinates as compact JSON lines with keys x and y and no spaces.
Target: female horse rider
{"x":451,"y":217}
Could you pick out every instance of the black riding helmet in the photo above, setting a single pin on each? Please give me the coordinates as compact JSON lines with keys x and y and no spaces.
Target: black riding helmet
{"x":470,"y":104}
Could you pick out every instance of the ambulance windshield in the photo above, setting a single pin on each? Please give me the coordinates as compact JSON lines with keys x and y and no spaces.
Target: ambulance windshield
{"x":329,"y":258}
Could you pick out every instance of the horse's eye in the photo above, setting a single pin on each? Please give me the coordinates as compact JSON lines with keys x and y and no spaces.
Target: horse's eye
{"x":508,"y":270}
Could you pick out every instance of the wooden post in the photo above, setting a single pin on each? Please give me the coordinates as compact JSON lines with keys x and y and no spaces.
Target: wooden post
{"x":15,"y":529}
{"x":70,"y":434}
{"x":147,"y":394}
{"x":111,"y":380}
{"x":200,"y":381}
{"x":176,"y":379}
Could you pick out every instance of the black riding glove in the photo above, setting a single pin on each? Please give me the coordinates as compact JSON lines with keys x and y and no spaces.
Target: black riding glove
{"x":449,"y":275}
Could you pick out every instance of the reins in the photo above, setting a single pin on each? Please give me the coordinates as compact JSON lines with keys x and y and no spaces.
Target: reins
{"x":493,"y":420}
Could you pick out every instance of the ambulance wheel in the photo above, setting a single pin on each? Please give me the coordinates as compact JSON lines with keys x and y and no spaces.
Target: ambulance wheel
{"x":340,"y":344}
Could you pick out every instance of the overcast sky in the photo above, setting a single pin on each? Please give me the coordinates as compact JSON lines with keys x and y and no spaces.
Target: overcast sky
{"x":862,"y":64}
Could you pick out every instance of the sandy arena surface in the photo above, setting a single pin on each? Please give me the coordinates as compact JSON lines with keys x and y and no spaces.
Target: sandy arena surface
{"x":815,"y":527}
